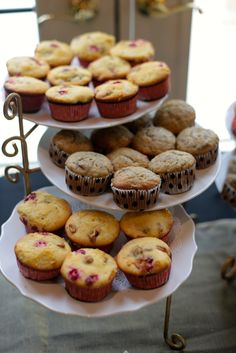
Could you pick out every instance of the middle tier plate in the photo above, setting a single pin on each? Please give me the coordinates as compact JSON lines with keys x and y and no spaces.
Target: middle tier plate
{"x":56,"y":175}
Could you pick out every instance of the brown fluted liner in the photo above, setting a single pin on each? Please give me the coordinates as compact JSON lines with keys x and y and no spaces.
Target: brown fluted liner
{"x":177,"y":182}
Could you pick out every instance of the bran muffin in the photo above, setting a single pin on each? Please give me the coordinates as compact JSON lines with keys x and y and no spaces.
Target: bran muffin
{"x":176,"y":169}
{"x":66,"y":142}
{"x":146,"y":262}
{"x":140,"y":123}
{"x":111,"y":138}
{"x":88,"y":274}
{"x":153,"y":140}
{"x":175,"y":115}
{"x":157,"y":224}
{"x":27,"y":66}
{"x":54,"y":52}
{"x":40,"y":255}
{"x":41,"y":211}
{"x":92,"y":229}
{"x":69,"y":75}
{"x":127,"y":157}
{"x":228,"y":192}
{"x":201,"y":143}
{"x":135,"y":188}
{"x":88,"y":173}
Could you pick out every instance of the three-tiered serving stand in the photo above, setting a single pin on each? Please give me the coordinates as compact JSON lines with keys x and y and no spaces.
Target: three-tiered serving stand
{"x":123,"y":298}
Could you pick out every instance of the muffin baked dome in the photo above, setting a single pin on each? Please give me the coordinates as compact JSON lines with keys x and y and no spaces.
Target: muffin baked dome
{"x":127,"y":157}
{"x":27,"y":66}
{"x":54,"y":52}
{"x":134,"y":51}
{"x":69,"y":75}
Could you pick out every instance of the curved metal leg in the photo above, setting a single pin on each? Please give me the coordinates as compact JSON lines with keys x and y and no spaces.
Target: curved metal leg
{"x":228,"y":270}
{"x":176,"y":341}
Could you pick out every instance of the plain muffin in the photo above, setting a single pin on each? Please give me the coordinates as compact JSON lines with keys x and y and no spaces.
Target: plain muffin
{"x":127,"y":157}
{"x":134,"y":51}
{"x":27,"y":66}
{"x":54,"y":52}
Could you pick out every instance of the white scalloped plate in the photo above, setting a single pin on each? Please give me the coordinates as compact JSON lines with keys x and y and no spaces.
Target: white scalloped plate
{"x":204,"y":178}
{"x":123,"y":297}
{"x":94,"y":121}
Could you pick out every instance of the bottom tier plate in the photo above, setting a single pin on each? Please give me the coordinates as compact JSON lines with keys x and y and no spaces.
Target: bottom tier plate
{"x":123,"y":298}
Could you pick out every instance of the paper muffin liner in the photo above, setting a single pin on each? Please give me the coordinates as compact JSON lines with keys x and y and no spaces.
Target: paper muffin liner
{"x":177,"y":182}
{"x":117,"y":109}
{"x":37,"y":275}
{"x":31,"y":103}
{"x":84,"y":63}
{"x":86,"y":185}
{"x":149,"y":281}
{"x":57,"y":155}
{"x":69,"y":112}
{"x":135,"y":199}
{"x":228,"y":194}
{"x":205,"y":160}
{"x":155,"y":91}
{"x":87,"y":294}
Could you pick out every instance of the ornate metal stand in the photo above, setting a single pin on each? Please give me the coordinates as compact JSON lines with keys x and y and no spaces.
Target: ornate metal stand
{"x":12,"y":109}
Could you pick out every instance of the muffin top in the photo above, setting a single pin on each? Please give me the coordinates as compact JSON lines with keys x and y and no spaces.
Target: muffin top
{"x":91,"y":46}
{"x":69,"y":75}
{"x":175,"y":115}
{"x":144,"y":256}
{"x":196,"y":140}
{"x":89,"y":268}
{"x":54,"y":52}
{"x":127,"y":157}
{"x":71,"y":141}
{"x":69,"y":94}
{"x":157,"y":223}
{"x":41,"y":251}
{"x":231,"y":180}
{"x":27,"y":66}
{"x":44,"y":211}
{"x":172,"y":161}
{"x":90,"y":228}
{"x":133,"y":50}
{"x":140,"y":123}
{"x":25,"y":85}
{"x":108,"y":139}
{"x":149,"y":73}
{"x":90,"y":164}
{"x":115,"y":90}
{"x":135,"y":178}
{"x":153,"y":140}
{"x":109,"y":68}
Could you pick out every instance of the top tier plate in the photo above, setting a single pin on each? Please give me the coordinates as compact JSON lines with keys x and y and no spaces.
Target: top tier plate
{"x":94,"y":121}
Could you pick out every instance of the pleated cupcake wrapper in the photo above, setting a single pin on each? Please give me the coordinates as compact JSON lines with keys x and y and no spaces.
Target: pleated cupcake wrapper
{"x":58,"y":156}
{"x":85,"y":185}
{"x":155,"y":91}
{"x":37,"y":275}
{"x":31,"y":103}
{"x":205,"y":160}
{"x":135,"y":199}
{"x":228,"y":194}
{"x":149,"y":281}
{"x":117,"y":109}
{"x":69,"y":112}
{"x":177,"y":182}
{"x":87,"y":294}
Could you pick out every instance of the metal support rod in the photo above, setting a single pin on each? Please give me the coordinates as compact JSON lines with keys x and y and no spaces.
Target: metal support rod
{"x":176,"y":341}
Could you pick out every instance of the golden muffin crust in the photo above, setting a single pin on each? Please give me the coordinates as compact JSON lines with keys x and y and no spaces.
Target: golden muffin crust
{"x":89,"y":164}
{"x":90,"y":228}
{"x":25,"y":85}
{"x":156,"y":223}
{"x":196,"y":140}
{"x":71,"y":141}
{"x":69,"y":94}
{"x":126,"y":157}
{"x":144,"y":256}
{"x":44,"y":211}
{"x":172,"y":161}
{"x":175,"y":115}
{"x":108,"y":139}
{"x":92,"y":45}
{"x":133,"y":50}
{"x":135,"y":178}
{"x":109,"y":68}
{"x":41,"y":251}
{"x":88,"y":267}
{"x":54,"y":52}
{"x":69,"y":75}
{"x":115,"y":91}
{"x":153,"y":140}
{"x":27,"y":66}
{"x":149,"y":73}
